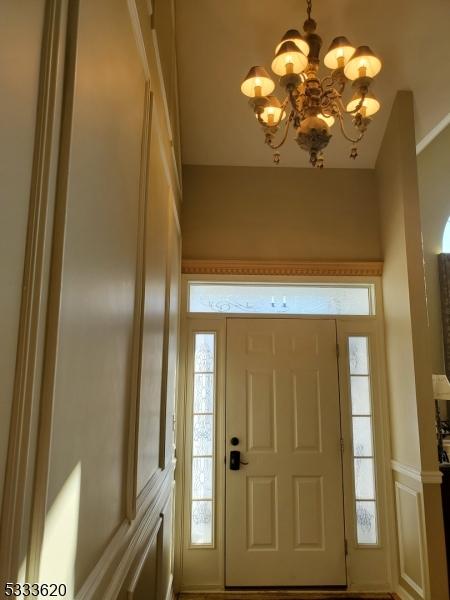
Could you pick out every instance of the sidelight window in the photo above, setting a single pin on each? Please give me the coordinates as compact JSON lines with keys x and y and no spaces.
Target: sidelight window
{"x":363,"y":447}
{"x":203,"y":442}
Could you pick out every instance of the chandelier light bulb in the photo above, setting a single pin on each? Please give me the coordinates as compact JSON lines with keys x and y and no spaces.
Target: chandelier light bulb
{"x":369,"y":107}
{"x":363,"y":63}
{"x":339,"y":53}
{"x":273,"y":113}
{"x":257,"y":83}
{"x":289,"y":59}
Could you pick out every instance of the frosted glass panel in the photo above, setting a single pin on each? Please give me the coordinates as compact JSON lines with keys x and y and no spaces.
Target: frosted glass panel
{"x":204,"y":352}
{"x":358,"y":356}
{"x":362,"y":436}
{"x":362,"y":430}
{"x":203,"y":455}
{"x":201,"y":478}
{"x":203,"y":435}
{"x":360,"y":390}
{"x":366,"y":523}
{"x":364,"y":479}
{"x":303,"y":299}
{"x":203,"y":393}
{"x":201,"y":522}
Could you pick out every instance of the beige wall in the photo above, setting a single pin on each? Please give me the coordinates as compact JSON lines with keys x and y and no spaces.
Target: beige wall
{"x":88,"y":495}
{"x":279,"y":214}
{"x":419,"y":510}
{"x":20,"y":43}
{"x":434,"y":189}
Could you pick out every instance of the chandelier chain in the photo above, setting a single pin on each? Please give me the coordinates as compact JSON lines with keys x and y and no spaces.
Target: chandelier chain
{"x":309,"y":8}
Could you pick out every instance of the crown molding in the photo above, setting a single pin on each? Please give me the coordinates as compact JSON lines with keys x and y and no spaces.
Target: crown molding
{"x":431,"y":135}
{"x":238,"y":267}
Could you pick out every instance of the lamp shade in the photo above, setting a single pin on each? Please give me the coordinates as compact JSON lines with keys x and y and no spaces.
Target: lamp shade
{"x":363,"y":63}
{"x":441,"y":387}
{"x":257,"y":83}
{"x":339,"y":53}
{"x":294,"y":36}
{"x":289,"y":59}
{"x":369,"y":106}
{"x":273,"y":113}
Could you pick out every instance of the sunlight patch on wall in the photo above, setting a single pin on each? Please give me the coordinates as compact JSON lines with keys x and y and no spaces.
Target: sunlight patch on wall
{"x":59,"y":547}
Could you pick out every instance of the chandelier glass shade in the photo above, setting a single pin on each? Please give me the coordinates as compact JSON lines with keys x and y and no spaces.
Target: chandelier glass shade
{"x":312,"y":105}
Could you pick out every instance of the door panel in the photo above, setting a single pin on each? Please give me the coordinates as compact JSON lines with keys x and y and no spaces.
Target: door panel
{"x":284,"y":509}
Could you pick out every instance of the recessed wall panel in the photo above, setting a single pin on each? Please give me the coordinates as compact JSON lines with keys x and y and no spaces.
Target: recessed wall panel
{"x":409,"y":534}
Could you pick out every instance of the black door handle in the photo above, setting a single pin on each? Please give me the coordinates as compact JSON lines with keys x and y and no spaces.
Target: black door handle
{"x":235,"y":460}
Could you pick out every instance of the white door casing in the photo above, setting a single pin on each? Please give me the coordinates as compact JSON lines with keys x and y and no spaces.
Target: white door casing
{"x":284,"y":510}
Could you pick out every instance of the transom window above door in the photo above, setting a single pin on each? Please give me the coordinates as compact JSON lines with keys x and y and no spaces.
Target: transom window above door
{"x":281,"y":298}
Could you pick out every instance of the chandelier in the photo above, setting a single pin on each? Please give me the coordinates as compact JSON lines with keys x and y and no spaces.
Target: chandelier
{"x":312,"y":105}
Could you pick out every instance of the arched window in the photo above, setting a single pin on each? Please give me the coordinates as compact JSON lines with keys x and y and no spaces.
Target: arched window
{"x":446,"y":238}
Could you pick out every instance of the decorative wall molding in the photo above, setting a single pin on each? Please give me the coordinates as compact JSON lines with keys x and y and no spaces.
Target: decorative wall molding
{"x":164,"y":98}
{"x":54,"y":303}
{"x":170,"y":595}
{"x":129,"y":541}
{"x":420,"y":476}
{"x":19,"y":461}
{"x":134,"y":16}
{"x":431,"y":135}
{"x":136,"y":362}
{"x":402,"y":594}
{"x":149,"y":545}
{"x":417,"y":586}
{"x":309,"y":268}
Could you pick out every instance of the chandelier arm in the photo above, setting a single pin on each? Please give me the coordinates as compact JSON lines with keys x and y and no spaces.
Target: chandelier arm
{"x":344,"y":133}
{"x":293,"y":100}
{"x":327,"y":78}
{"x":286,"y":131}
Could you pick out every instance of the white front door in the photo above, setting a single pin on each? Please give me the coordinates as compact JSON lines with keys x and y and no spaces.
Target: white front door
{"x":284,"y":509}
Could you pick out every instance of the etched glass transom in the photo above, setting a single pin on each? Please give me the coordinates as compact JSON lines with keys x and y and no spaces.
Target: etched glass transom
{"x":290,"y":299}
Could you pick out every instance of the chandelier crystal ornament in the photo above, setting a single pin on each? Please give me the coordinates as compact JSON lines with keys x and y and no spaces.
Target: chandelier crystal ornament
{"x":312,"y":105}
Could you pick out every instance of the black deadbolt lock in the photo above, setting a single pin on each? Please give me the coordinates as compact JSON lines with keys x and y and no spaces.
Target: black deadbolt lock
{"x":235,"y":460}
{"x":234,"y":441}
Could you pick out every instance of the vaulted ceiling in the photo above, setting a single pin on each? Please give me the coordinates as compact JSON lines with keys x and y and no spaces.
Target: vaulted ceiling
{"x":218,"y":40}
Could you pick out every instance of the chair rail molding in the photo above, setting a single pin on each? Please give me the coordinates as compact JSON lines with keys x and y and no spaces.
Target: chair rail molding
{"x":420,"y":476}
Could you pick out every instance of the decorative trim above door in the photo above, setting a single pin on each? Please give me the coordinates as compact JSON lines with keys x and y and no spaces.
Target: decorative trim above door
{"x":240,"y":267}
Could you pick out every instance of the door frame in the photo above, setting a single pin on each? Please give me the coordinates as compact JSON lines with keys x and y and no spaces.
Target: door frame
{"x":200,"y":568}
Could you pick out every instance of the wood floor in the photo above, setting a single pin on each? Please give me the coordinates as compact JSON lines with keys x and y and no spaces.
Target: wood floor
{"x":284,"y":595}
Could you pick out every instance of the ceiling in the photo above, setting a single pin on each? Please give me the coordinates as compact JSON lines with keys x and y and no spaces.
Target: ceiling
{"x":219,"y":40}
